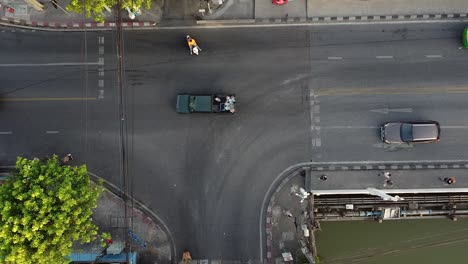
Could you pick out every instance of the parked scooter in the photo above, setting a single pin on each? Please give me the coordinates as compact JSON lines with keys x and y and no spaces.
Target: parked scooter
{"x":193,"y":46}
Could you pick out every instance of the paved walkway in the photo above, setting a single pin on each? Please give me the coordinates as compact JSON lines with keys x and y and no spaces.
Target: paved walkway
{"x":285,"y":213}
{"x":144,"y":232}
{"x":23,"y":11}
{"x":384,"y":7}
{"x":405,"y":178}
{"x":265,"y":9}
{"x":191,"y":9}
{"x":20,"y":12}
{"x":324,"y":8}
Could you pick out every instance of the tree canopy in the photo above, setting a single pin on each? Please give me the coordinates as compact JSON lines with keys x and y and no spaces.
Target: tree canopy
{"x":44,"y":208}
{"x":95,"y":8}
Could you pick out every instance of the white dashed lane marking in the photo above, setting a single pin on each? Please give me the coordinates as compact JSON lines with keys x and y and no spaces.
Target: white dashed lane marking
{"x":52,"y":132}
{"x":316,"y":141}
{"x":6,"y":132}
{"x":434,"y":56}
{"x":384,"y":57}
{"x":429,"y":56}
{"x":101,"y":68}
{"x":53,"y":64}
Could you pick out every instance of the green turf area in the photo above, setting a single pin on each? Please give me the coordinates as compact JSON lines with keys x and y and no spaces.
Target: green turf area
{"x":403,"y":242}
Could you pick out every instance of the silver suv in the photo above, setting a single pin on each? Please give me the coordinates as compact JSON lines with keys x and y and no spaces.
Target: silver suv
{"x":410,"y":132}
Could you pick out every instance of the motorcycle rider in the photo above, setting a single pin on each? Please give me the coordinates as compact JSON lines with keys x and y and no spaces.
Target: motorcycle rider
{"x":192,"y":43}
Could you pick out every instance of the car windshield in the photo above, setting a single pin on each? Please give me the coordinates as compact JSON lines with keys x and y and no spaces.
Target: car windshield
{"x":407,"y":132}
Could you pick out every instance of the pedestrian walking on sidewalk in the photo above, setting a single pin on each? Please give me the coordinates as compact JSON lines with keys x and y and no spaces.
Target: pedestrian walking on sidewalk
{"x":67,"y":158}
{"x":388,"y":183}
{"x":287,"y":213}
{"x":386,"y":174}
{"x":388,"y":178}
{"x":450,"y":180}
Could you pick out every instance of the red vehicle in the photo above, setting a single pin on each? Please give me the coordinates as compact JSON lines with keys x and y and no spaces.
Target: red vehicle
{"x":279,"y":2}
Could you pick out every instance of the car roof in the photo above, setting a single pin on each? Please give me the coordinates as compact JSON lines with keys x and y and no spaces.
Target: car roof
{"x":202,"y":103}
{"x":425,"y":131}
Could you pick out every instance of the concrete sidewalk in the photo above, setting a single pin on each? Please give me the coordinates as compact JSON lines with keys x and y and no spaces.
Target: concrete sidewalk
{"x":265,"y":9}
{"x":141,"y":232}
{"x":404,"y":178}
{"x":22,"y":10}
{"x":285,"y":214}
{"x":333,"y":8}
{"x":384,"y":7}
{"x":191,"y":9}
{"x":144,"y":235}
{"x":162,"y":13}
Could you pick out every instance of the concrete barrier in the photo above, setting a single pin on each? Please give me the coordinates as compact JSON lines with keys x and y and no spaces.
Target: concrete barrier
{"x":232,"y":21}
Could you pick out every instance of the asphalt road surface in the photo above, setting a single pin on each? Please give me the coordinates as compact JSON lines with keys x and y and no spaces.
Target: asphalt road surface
{"x":304,"y":93}
{"x":371,"y":75}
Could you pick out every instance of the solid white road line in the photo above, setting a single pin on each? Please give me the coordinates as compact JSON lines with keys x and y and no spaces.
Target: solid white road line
{"x":384,"y":57}
{"x":434,"y":56}
{"x":462,"y":127}
{"x":350,"y":127}
{"x":48,"y":64}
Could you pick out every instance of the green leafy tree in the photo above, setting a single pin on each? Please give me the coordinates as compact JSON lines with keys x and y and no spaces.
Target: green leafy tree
{"x":95,"y":8}
{"x":44,"y":208}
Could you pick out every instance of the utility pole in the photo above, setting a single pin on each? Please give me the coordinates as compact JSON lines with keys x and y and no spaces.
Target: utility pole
{"x":123,"y":122}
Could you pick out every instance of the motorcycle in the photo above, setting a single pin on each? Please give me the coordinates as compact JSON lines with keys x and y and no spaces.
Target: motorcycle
{"x":193,"y":46}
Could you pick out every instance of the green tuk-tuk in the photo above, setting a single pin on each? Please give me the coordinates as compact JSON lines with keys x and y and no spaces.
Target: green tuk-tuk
{"x":206,"y":103}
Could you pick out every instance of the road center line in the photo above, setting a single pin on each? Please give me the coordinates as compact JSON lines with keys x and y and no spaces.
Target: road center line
{"x":19,"y":99}
{"x":49,"y":64}
{"x":349,"y":127}
{"x":6,"y":133}
{"x":384,"y":57}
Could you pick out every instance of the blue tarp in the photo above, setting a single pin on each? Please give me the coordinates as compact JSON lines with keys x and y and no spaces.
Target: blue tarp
{"x":90,"y":257}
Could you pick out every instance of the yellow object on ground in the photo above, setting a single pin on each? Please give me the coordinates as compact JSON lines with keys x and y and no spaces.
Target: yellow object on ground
{"x":35,"y":4}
